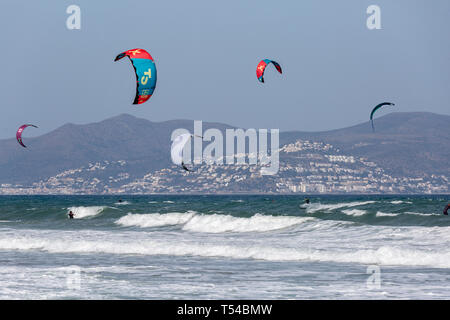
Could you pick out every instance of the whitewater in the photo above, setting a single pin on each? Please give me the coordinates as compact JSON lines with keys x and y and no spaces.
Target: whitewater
{"x":224,"y":247}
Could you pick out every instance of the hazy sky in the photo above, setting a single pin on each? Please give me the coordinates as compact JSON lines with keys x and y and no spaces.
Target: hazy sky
{"x":334,"y":68}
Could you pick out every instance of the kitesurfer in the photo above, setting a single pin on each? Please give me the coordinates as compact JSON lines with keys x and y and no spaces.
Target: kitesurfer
{"x":184,"y":167}
{"x":120,"y":200}
{"x":176,"y":150}
{"x":71,"y":214}
{"x":307,"y":200}
{"x":446,"y":209}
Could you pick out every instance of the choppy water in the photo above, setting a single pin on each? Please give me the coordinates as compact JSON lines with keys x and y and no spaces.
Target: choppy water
{"x":224,"y":247}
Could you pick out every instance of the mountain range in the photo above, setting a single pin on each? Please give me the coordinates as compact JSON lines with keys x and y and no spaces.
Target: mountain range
{"x":415,"y":144}
{"x":404,"y":143}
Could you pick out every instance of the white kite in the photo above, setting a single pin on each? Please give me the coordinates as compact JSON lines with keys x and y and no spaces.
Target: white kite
{"x":176,"y":151}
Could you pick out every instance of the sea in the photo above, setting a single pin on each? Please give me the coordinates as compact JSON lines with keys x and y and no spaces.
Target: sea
{"x":224,"y":247}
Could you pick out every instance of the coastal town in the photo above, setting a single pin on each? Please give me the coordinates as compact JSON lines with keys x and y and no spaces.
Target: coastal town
{"x":306,"y":167}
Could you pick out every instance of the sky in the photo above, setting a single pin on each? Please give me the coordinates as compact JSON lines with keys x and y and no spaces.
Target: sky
{"x":335,"y":69}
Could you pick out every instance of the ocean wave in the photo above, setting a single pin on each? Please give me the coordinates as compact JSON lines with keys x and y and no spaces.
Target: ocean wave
{"x":400,"y":201}
{"x":216,"y":223}
{"x":354,"y":212}
{"x":212,"y":223}
{"x":312,"y":208}
{"x":86,"y":212}
{"x":154,"y":219}
{"x":420,"y":214}
{"x":384,"y":255}
{"x":122,"y":203}
{"x":386,"y":214}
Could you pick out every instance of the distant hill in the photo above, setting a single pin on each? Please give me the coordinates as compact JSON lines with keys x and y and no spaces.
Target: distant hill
{"x":144,"y":144}
{"x":403,"y":144}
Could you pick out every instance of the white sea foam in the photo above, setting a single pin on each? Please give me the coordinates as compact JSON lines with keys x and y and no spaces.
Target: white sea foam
{"x":85,"y":212}
{"x":419,"y":214}
{"x":213,"y":223}
{"x":155,"y":219}
{"x":386,"y":214}
{"x":354,"y":212}
{"x":400,"y":201}
{"x":314,"y":207}
{"x":122,"y":203}
{"x":218,"y":223}
{"x":384,"y":255}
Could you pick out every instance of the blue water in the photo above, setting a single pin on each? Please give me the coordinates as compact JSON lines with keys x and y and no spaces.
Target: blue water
{"x":224,"y":247}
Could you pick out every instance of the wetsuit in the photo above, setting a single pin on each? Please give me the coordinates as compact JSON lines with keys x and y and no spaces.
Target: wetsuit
{"x":71,"y":215}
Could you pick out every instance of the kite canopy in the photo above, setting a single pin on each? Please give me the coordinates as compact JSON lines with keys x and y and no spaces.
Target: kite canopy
{"x":176,"y":151}
{"x":378,"y":107}
{"x":19,"y":133}
{"x":145,"y":69}
{"x":262,"y":67}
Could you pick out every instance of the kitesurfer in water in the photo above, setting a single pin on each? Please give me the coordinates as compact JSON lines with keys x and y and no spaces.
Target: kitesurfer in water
{"x":446,"y":209}
{"x":307,"y":200}
{"x":120,"y":200}
{"x":184,"y":167}
{"x":71,"y":214}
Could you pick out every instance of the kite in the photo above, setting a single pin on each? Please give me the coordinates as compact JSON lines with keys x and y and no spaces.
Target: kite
{"x":378,"y":107}
{"x":145,"y":69}
{"x":262,"y":67}
{"x":19,"y":133}
{"x":176,"y":151}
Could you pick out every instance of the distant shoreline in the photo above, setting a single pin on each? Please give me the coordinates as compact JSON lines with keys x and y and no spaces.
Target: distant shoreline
{"x":227,"y":194}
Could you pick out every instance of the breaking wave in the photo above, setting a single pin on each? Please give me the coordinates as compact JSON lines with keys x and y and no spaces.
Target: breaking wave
{"x":123,"y":203}
{"x":384,"y":255}
{"x":354,"y":212}
{"x":154,"y":219}
{"x":213,"y":223}
{"x":386,"y":214}
{"x":420,"y":214}
{"x":216,"y":223}
{"x":312,"y":208}
{"x":86,"y":212}
{"x":400,"y":201}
